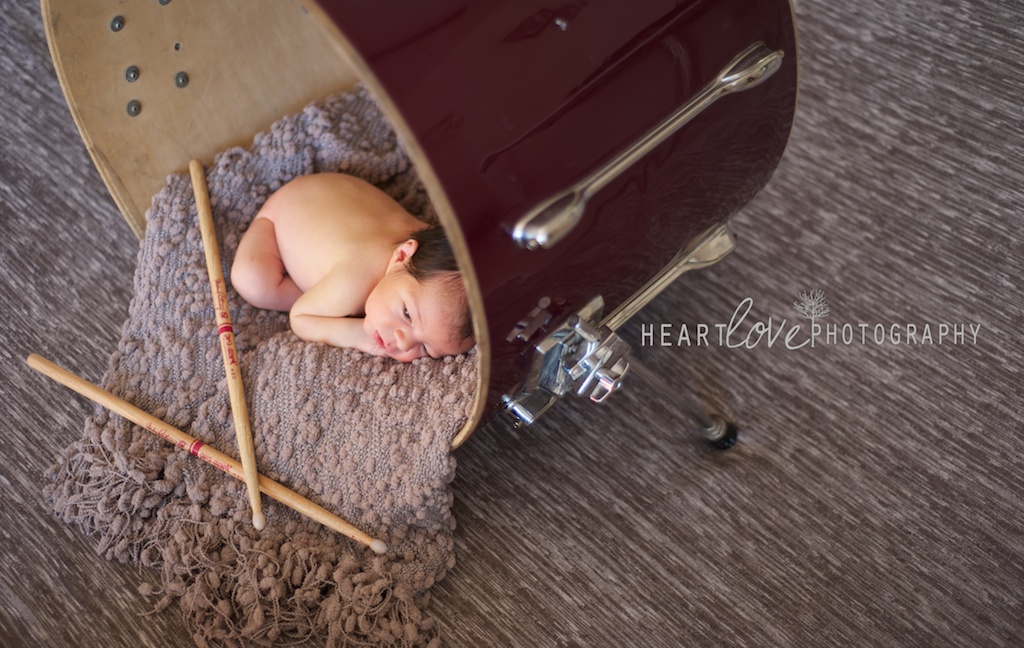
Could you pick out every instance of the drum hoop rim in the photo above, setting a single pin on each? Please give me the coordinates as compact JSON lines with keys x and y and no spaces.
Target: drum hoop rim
{"x":442,"y":206}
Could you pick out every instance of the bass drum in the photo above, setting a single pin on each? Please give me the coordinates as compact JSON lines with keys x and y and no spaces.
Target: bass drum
{"x":579,"y":158}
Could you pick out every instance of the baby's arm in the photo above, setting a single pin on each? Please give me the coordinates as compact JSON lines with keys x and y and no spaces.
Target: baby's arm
{"x":320,"y":315}
{"x":336,"y":331}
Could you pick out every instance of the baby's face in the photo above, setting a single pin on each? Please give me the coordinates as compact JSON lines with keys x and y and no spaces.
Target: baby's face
{"x":411,"y":320}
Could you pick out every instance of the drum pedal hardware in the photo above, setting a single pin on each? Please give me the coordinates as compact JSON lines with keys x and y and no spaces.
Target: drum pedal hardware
{"x":552,"y":220}
{"x":578,"y":355}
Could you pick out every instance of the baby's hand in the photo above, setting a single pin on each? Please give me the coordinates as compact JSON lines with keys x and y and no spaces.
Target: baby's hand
{"x":372,"y":348}
{"x":414,"y":353}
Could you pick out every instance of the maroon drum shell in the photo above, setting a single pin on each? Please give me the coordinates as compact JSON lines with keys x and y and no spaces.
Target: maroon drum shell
{"x":513,"y":101}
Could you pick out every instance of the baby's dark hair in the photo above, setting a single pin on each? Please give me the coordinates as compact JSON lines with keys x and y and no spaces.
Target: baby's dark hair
{"x":434,"y":258}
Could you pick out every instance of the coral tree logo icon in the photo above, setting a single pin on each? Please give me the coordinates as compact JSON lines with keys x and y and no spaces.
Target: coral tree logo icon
{"x":744,"y":331}
{"x":812,"y":305}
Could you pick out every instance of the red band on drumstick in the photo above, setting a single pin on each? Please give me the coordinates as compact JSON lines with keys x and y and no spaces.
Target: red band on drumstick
{"x":194,"y":448}
{"x":226,"y":328}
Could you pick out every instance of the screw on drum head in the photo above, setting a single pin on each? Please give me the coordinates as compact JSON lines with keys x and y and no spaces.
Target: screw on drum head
{"x":117,"y":24}
{"x":134,"y":107}
{"x":131,"y":73}
{"x":181,"y":79}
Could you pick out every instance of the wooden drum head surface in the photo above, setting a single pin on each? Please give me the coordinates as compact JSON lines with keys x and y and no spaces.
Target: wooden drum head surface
{"x":245,"y":63}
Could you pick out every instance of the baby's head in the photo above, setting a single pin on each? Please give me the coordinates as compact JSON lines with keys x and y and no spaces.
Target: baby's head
{"x":420,"y":307}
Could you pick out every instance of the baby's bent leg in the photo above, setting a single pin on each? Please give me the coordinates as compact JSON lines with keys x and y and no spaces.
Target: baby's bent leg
{"x":258,"y":273}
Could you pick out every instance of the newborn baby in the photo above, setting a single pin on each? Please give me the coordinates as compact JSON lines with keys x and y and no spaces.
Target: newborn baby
{"x":354,"y":269}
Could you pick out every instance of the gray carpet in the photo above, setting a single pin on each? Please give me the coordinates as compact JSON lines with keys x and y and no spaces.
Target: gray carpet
{"x":876,"y":496}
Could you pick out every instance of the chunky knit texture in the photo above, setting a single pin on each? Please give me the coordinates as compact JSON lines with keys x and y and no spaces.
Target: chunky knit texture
{"x":366,"y":437}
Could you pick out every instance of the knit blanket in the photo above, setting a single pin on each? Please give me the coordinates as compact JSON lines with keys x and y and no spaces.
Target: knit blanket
{"x":366,"y":437}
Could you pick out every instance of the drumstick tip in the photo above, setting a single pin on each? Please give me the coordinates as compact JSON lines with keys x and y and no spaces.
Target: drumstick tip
{"x":259,"y":520}
{"x":378,"y":546}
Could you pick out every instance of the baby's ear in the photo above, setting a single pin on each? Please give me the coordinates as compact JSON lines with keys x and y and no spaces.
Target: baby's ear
{"x":404,"y":251}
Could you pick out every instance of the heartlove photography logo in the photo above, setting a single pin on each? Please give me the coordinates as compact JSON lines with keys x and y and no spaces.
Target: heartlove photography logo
{"x":811,"y":327}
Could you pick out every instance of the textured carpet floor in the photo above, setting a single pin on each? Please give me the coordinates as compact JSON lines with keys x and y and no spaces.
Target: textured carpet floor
{"x":876,"y":496}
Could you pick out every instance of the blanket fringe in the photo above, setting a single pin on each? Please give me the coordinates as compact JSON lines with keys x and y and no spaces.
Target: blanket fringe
{"x":236,"y":586}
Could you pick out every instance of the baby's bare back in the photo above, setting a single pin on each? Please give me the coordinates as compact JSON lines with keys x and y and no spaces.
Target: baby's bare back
{"x":330,"y":222}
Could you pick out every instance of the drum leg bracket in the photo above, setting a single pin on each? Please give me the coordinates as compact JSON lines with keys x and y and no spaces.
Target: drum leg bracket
{"x":582,"y":354}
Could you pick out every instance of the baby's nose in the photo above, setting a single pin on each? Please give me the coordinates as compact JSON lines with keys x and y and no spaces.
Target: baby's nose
{"x":402,"y":340}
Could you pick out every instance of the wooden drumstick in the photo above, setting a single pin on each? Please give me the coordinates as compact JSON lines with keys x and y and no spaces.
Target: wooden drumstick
{"x":210,"y":455}
{"x":226,"y":333}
